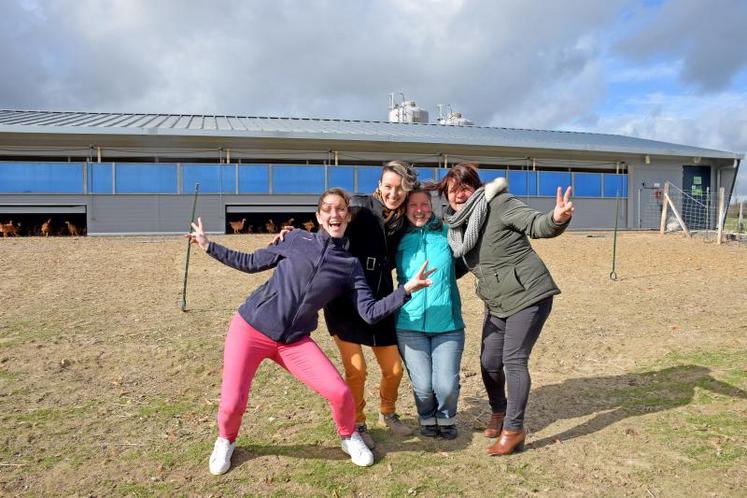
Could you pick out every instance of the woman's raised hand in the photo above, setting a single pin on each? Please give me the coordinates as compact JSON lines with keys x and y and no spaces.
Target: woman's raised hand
{"x":563,"y":206}
{"x":281,"y":236}
{"x":420,"y":280}
{"x":198,"y":235}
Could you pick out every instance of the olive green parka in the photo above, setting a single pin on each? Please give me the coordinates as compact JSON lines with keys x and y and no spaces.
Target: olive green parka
{"x":510,"y":275}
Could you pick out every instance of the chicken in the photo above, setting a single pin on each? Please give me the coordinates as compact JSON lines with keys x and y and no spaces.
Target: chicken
{"x":72,"y":229}
{"x":237,"y":226}
{"x":45,"y":227}
{"x":9,"y":229}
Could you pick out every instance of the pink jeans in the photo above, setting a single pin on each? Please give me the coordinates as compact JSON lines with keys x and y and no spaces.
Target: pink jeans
{"x":246,"y":348}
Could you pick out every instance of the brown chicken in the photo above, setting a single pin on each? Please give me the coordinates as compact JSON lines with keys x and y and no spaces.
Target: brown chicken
{"x":9,"y":229}
{"x":46,"y":227}
{"x":237,"y":226}
{"x":72,"y":229}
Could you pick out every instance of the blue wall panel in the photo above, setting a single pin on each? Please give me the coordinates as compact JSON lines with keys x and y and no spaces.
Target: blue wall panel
{"x":100,"y":178}
{"x":615,"y":185}
{"x":368,"y":179}
{"x":342,"y":177}
{"x":297,"y":179}
{"x":254,"y":179}
{"x":587,"y":184}
{"x":549,"y":181}
{"x":487,"y":175}
{"x":522,"y":182}
{"x":41,"y":177}
{"x":145,"y":178}
{"x":213,"y":178}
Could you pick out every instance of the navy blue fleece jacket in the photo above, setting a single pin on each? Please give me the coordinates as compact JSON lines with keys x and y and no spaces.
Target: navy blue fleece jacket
{"x":311,"y":269}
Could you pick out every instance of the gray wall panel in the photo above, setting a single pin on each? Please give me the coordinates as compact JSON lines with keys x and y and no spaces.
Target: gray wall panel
{"x":153,"y":213}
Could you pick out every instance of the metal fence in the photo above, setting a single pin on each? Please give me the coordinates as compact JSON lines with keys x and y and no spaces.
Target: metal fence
{"x":700,"y":212}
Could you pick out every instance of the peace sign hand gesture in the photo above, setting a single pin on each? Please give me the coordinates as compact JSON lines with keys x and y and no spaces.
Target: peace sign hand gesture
{"x":420,"y":279}
{"x":198,"y":235}
{"x":563,"y":206}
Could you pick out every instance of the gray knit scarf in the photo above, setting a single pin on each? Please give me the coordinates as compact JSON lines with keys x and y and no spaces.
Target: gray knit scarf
{"x":465,"y":224}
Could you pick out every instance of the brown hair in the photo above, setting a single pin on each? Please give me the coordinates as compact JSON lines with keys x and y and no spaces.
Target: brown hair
{"x":333,"y":191}
{"x":462,"y":175}
{"x":418,"y":189}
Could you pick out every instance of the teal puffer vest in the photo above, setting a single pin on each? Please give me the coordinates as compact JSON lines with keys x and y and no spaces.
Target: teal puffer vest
{"x":436,"y":308}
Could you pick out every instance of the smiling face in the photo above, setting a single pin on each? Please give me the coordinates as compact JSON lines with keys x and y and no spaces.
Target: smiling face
{"x":419,"y":208}
{"x":392,"y":193}
{"x":333,"y":215}
{"x":458,"y":194}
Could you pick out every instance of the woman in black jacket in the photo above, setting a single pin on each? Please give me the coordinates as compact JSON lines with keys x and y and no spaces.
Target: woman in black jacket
{"x":378,"y":223}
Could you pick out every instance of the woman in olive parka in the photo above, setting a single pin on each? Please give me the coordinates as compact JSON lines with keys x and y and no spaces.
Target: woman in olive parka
{"x":489,"y":231}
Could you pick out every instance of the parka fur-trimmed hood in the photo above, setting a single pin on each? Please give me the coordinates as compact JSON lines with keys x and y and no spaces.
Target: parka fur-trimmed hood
{"x":495,"y":187}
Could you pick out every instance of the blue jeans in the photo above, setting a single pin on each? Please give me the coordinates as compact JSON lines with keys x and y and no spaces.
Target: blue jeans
{"x":433,"y":362}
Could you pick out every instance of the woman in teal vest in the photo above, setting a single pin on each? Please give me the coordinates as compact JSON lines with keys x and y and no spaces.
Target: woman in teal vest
{"x":430,"y":330}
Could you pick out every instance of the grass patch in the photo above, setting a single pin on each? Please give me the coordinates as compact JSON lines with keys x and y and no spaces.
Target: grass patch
{"x":52,"y":415}
{"x":711,"y":359}
{"x":166,"y":409}
{"x":183,"y":452}
{"x":707,"y":440}
{"x":144,"y":490}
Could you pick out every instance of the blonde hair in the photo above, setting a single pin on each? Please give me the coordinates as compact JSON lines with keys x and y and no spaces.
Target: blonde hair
{"x":405,"y":171}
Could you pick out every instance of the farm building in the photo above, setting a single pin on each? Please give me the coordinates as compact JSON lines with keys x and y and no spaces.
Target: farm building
{"x":118,"y":173}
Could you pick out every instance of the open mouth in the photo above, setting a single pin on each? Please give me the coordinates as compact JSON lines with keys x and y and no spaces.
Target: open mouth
{"x":335,"y":224}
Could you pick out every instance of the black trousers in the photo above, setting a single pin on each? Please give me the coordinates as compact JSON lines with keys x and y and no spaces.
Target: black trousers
{"x":504,"y":356}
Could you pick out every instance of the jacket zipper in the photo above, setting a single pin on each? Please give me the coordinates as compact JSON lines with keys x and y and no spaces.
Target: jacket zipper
{"x":425,"y":290}
{"x":316,"y":269}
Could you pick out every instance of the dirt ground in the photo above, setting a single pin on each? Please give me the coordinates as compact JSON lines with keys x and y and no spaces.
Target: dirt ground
{"x":108,"y":389}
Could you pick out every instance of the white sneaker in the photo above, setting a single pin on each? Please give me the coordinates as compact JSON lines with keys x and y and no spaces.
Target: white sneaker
{"x":358,"y":451}
{"x":220,"y":460}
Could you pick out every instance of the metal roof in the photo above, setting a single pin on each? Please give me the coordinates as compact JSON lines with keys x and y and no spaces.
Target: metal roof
{"x":100,"y":123}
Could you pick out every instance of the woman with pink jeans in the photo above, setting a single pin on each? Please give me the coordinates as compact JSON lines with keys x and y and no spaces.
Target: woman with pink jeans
{"x":276,"y":320}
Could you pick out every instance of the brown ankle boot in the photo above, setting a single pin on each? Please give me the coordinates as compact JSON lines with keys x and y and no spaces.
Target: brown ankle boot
{"x":495,"y":425}
{"x":508,"y":442}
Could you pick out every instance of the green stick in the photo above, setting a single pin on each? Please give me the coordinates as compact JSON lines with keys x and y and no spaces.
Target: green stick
{"x":189,"y":248}
{"x":613,"y":273}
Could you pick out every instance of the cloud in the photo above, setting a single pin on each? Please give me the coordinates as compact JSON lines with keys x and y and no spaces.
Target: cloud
{"x":705,"y":36}
{"x":286,"y":57}
{"x":667,"y":72}
{"x":716,"y":122}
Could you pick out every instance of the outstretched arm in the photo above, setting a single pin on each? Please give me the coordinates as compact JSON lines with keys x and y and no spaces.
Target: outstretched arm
{"x":372,"y":310}
{"x":257,"y":261}
{"x":535,"y":224}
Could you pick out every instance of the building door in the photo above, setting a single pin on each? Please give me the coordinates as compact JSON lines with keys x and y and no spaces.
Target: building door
{"x":696,"y":201}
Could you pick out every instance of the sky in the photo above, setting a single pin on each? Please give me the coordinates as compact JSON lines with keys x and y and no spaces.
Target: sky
{"x":670,"y":70}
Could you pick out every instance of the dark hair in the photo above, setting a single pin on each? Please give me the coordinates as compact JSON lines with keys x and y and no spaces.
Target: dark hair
{"x":419,"y":188}
{"x":462,"y":175}
{"x":333,"y":191}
